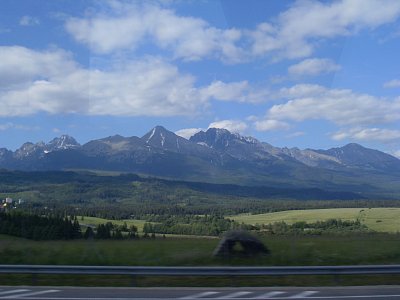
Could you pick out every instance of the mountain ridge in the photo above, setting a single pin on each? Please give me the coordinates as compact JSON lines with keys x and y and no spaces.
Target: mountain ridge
{"x":215,"y":155}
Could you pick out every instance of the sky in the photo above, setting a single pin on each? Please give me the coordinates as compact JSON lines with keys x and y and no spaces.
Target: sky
{"x":306,"y":74}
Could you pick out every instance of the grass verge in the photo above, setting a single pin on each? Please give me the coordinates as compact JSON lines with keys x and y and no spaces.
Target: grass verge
{"x":285,"y":250}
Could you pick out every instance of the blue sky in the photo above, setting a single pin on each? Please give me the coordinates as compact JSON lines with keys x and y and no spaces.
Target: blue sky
{"x":311,"y":74}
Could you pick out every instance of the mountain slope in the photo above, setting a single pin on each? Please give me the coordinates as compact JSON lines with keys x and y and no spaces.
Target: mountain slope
{"x":242,"y":148}
{"x":62,"y":143}
{"x":216,"y":156}
{"x":161,"y":138}
{"x":356,"y":156}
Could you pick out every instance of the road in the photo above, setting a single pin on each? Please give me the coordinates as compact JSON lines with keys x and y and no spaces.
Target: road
{"x":86,"y":293}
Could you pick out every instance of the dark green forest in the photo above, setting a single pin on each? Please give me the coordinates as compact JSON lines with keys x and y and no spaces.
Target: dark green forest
{"x":39,"y":227}
{"x":192,"y":225}
{"x":131,"y":196}
{"x":45,"y":203}
{"x":332,"y":226}
{"x":55,"y":227}
{"x":67,"y":228}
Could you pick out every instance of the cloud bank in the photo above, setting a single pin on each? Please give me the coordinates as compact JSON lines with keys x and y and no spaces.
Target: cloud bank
{"x":292,"y":35}
{"x":52,"y":82}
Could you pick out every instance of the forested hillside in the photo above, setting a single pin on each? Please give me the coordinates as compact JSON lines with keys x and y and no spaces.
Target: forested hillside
{"x":132,"y":196}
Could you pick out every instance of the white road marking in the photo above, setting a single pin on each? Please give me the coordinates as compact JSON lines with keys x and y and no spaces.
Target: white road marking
{"x":13,"y":291}
{"x":234,"y":295}
{"x":269,"y":295}
{"x":204,"y":294}
{"x":30,"y":294}
{"x":304,"y":294}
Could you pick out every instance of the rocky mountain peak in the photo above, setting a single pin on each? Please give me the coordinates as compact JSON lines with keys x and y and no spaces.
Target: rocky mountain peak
{"x":353,"y":147}
{"x":355,"y":155}
{"x":61,"y":143}
{"x":160,"y":137}
{"x":219,"y":138}
{"x":64,"y":141}
{"x":213,"y":149}
{"x":114,"y":139}
{"x":4,"y":152}
{"x":28,"y":149}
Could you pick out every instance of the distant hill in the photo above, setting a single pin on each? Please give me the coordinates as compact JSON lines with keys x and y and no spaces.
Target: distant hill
{"x":217,"y":156}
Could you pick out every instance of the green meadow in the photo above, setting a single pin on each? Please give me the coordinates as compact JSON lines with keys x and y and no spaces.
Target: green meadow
{"x":385,"y":219}
{"x":377,"y":248}
{"x":93,"y":221}
{"x":378,"y":219}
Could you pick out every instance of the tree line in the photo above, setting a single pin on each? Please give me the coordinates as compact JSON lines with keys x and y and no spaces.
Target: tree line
{"x":57,"y":227}
{"x":212,"y":225}
{"x":110,"y":230}
{"x":331,"y":226}
{"x":39,"y":227}
{"x":130,"y":196}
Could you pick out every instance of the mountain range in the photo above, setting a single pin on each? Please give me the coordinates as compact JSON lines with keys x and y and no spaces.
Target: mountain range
{"x":217,"y":156}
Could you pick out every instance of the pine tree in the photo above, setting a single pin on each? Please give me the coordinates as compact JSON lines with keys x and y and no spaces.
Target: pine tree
{"x":118,"y":235}
{"x":89,"y":233}
{"x":76,"y":230}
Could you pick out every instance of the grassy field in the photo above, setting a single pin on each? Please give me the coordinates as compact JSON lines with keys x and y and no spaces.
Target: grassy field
{"x":285,"y":250}
{"x":374,"y":248}
{"x":93,"y":221}
{"x":378,"y":219}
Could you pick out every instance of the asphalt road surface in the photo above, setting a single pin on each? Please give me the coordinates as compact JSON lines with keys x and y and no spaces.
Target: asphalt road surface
{"x":86,"y":293}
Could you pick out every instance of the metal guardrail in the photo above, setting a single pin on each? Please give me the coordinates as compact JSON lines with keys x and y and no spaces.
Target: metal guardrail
{"x":201,"y":271}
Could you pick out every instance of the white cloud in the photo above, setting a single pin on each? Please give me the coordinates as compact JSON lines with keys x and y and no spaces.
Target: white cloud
{"x":302,"y":90}
{"x":230,"y":125}
{"x":240,"y":91}
{"x":33,"y":81}
{"x":21,"y":65}
{"x":294,"y":34}
{"x":127,"y":26}
{"x":340,"y":106}
{"x":368,"y":134}
{"x":271,"y":125}
{"x":50,"y":81}
{"x":149,"y":87}
{"x":297,"y":31}
{"x":226,"y":92}
{"x":29,"y":21}
{"x":188,"y":132}
{"x":395,"y":83}
{"x":313,"y":67}
{"x":105,"y":34}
